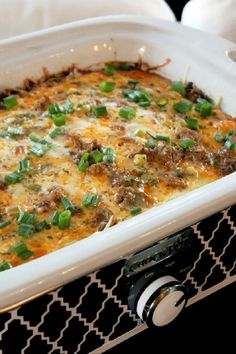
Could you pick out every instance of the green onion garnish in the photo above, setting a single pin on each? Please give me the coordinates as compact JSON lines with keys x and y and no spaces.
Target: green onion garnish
{"x":109,"y":155}
{"x":203,"y":107}
{"x":57,"y":132}
{"x":107,"y":86}
{"x":34,"y":137}
{"x":84,"y":164}
{"x":22,"y":251}
{"x":5,"y":265}
{"x":144,"y":104}
{"x":90,"y":200}
{"x":127,"y":112}
{"x":182,"y":106}
{"x":10,"y":101}
{"x":219,"y":137}
{"x":64,"y":219}
{"x":41,"y":226}
{"x":55,"y":218}
{"x":15,"y":131}
{"x":3,"y":134}
{"x":97,"y":156}
{"x":4,"y":224}
{"x":150,"y":144}
{"x":229,"y":144}
{"x":24,"y":166}
{"x":14,"y":177}
{"x":69,"y":107}
{"x":135,"y":211}
{"x":59,"y":119}
{"x":100,"y":111}
{"x":67,"y":204}
{"x":27,"y":218}
{"x":186,"y":143}
{"x":110,"y":70}
{"x":178,"y":86}
{"x":192,"y":123}
{"x":26,"y":230}
{"x":55,"y":108}
{"x":162,"y":138}
{"x":124,"y":67}
{"x":39,"y":149}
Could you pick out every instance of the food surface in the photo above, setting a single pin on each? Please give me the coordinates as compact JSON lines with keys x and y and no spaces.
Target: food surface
{"x":84,"y":150}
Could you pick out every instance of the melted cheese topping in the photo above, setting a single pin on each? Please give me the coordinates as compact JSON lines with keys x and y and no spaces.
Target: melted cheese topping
{"x":140,"y":176}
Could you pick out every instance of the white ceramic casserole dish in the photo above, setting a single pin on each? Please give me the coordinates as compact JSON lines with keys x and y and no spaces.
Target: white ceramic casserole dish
{"x":121,"y":38}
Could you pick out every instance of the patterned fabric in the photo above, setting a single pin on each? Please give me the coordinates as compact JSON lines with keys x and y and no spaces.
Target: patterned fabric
{"x":86,"y":314}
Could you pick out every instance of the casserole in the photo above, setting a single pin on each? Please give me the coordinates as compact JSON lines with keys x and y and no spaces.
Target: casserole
{"x":118,"y":38}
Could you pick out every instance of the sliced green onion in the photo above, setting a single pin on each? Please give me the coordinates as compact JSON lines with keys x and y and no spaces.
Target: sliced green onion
{"x":186,"y":143}
{"x":203,"y":107}
{"x":15,"y":131}
{"x":97,"y":156}
{"x":4,"y":224}
{"x":24,"y":166}
{"x":67,"y":204}
{"x":14,"y":177}
{"x":135,"y":211}
{"x":57,"y":132}
{"x":13,"y":211}
{"x":192,"y":123}
{"x":55,"y":218}
{"x":26,"y":230}
{"x":69,"y":107}
{"x":39,"y":149}
{"x":219,"y":137}
{"x":84,"y":164}
{"x":107,"y":86}
{"x":22,"y":251}
{"x":144,"y":104}
{"x":27,"y":218}
{"x":109,"y":155}
{"x":41,"y":226}
{"x":162,"y":102}
{"x":100,"y":111}
{"x":5,"y":265}
{"x":3,"y":134}
{"x":182,"y":106}
{"x":64,"y":219}
{"x":34,"y":137}
{"x":229,"y":144}
{"x":162,"y":138}
{"x":55,"y":108}
{"x":10,"y":101}
{"x":90,"y":200}
{"x":59,"y":119}
{"x":127,"y":112}
{"x":110,"y":70}
{"x":178,"y":86}
{"x":150,"y":144}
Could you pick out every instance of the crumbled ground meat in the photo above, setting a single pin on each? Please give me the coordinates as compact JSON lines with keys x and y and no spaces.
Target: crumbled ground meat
{"x":174,"y":181}
{"x":186,"y":133}
{"x":193,"y":93}
{"x":42,"y":104}
{"x":98,"y":168}
{"x":102,"y":217}
{"x":129,"y":197}
{"x":123,"y":177}
{"x":225,"y":160}
{"x":3,"y":186}
{"x":198,"y":154}
{"x":55,"y":193}
{"x":49,"y":199}
{"x":164,"y":153}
